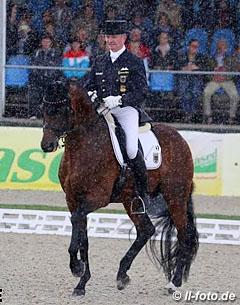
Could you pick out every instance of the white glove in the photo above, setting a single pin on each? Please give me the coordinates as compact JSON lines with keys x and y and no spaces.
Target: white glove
{"x":92,"y":95}
{"x":112,"y":101}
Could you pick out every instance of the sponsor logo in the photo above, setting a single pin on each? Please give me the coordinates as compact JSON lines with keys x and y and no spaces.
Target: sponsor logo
{"x":206,"y":164}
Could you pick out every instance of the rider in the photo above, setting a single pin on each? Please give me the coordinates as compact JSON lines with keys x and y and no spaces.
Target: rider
{"x":118,"y":79}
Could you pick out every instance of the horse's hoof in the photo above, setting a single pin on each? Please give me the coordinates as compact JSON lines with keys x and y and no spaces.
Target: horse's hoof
{"x":79,"y":269}
{"x":170,"y":288}
{"x":78,"y":292}
{"x":123,"y":282}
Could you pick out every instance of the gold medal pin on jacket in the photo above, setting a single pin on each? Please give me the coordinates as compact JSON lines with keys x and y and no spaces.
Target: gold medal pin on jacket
{"x":123,"y":74}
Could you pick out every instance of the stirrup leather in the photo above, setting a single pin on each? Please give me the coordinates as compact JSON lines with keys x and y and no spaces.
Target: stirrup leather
{"x":136,"y":201}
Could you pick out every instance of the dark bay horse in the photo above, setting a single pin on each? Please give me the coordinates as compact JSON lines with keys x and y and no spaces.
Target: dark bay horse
{"x":87,"y":174}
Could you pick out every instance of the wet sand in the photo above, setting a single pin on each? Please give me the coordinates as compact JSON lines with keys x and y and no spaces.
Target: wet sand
{"x":34,"y":271}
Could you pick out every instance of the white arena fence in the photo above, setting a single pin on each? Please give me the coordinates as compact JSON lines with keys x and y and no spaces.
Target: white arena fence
{"x":212,"y":231}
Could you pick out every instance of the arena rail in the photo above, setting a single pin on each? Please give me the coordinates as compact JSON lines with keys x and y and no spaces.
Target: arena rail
{"x":39,"y":67}
{"x":212,"y":231}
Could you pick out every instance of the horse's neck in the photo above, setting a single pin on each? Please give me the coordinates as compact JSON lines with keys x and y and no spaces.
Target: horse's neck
{"x":89,"y":132}
{"x":85,"y":118}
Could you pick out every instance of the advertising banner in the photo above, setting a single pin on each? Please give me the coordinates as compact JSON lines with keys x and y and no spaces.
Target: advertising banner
{"x":23,"y":165}
{"x":207,"y":152}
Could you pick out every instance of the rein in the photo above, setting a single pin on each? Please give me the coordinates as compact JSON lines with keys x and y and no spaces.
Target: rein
{"x":62,"y":133}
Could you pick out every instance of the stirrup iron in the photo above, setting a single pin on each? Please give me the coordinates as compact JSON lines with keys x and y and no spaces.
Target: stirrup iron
{"x":136,"y":201}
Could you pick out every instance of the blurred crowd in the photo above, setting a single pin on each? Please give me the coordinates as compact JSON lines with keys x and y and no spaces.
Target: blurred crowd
{"x":191,"y":35}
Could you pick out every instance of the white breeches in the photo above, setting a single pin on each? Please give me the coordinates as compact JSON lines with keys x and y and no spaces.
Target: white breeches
{"x":128,"y":118}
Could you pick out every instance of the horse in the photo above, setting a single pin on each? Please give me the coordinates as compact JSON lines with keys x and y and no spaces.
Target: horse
{"x":88,"y":172}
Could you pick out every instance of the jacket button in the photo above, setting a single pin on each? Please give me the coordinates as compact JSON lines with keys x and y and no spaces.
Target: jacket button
{"x":103,"y":80}
{"x":103,"y":90}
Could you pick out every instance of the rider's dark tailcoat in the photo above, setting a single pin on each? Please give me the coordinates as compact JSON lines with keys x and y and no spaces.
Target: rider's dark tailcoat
{"x":125,"y":76}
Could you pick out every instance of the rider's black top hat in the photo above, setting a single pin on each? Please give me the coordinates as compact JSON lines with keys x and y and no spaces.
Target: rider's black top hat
{"x":115,"y":27}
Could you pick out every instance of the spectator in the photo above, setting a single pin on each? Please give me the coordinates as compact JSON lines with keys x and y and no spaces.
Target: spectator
{"x":110,"y":13}
{"x":148,"y":8}
{"x":198,"y":13}
{"x":163,"y":56}
{"x":235,"y":64}
{"x":62,"y":16}
{"x":221,"y":62}
{"x":224,"y":15}
{"x":23,"y":39}
{"x":86,"y":18}
{"x":136,"y":46}
{"x":37,"y":8}
{"x":49,"y":29}
{"x":121,"y":6}
{"x":49,"y":26}
{"x":99,"y":47}
{"x":76,"y":57}
{"x":172,"y":10}
{"x":138,"y":20}
{"x":11,"y":31}
{"x":47,"y":18}
{"x":163,"y":24}
{"x":83,"y":36}
{"x":46,"y":55}
{"x":236,"y":23}
{"x":190,"y":86}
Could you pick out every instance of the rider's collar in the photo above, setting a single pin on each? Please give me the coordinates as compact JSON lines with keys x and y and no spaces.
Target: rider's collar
{"x":115,"y":55}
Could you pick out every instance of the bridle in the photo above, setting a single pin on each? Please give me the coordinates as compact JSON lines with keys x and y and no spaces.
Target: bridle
{"x":62,"y":132}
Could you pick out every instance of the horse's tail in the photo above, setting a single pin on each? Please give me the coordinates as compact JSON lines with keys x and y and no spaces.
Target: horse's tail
{"x":191,"y":243}
{"x":171,"y":249}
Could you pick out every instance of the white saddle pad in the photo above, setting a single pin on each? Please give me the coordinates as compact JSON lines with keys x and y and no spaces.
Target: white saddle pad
{"x":149,"y":142}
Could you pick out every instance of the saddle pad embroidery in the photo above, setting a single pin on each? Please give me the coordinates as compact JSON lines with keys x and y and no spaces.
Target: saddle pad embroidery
{"x":150,"y":145}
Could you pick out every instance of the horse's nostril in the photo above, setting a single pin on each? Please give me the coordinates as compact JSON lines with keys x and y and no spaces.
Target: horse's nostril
{"x":49,"y":147}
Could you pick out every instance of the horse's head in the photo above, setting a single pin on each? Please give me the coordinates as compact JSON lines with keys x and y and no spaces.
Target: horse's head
{"x":65,"y":107}
{"x":56,"y":115}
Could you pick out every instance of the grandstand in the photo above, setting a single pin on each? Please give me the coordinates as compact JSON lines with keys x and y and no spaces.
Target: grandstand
{"x":178,"y":93}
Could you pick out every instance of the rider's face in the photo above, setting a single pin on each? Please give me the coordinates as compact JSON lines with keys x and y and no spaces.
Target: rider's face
{"x":115,"y":42}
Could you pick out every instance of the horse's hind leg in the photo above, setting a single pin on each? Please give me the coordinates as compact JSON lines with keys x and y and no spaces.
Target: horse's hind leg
{"x":145,"y":229}
{"x":79,"y":241}
{"x":183,"y":219}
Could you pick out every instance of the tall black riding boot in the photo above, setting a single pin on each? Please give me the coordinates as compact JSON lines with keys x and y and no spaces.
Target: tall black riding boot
{"x":142,"y":200}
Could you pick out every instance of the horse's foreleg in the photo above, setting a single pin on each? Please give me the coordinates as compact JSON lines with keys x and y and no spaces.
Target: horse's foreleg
{"x":145,"y":229}
{"x":79,"y":241}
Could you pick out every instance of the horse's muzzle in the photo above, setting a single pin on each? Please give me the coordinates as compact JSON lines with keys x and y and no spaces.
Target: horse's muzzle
{"x":49,"y":147}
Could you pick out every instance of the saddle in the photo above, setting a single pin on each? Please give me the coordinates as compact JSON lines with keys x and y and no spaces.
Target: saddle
{"x":148,"y":143}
